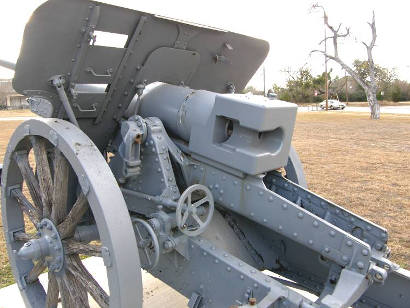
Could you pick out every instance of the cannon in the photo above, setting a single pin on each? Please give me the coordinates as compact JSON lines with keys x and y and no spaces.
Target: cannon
{"x":145,"y":156}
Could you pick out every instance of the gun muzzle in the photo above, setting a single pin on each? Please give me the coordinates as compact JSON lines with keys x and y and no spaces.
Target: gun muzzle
{"x":7,"y":64}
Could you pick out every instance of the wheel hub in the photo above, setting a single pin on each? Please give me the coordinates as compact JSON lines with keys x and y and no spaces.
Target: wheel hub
{"x":47,"y":246}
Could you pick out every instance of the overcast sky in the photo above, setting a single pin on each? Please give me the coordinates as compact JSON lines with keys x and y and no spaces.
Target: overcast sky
{"x":288,"y":25}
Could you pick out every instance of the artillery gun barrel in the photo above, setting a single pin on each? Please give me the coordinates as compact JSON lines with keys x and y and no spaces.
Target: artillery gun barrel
{"x":7,"y":64}
{"x":183,"y":107}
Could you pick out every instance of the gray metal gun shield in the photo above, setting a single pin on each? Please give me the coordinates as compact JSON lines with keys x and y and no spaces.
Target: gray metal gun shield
{"x":60,"y":39}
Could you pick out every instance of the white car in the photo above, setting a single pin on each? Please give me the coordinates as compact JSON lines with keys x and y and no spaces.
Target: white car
{"x":332,"y":104}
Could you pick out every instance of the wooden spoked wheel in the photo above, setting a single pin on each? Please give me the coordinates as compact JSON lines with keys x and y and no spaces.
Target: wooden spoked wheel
{"x":55,"y":183}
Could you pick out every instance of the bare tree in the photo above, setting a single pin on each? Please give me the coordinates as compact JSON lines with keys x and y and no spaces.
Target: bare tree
{"x":369,"y":85}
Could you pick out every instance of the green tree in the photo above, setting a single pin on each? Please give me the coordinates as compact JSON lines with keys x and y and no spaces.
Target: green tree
{"x":384,"y":76}
{"x":252,"y":90}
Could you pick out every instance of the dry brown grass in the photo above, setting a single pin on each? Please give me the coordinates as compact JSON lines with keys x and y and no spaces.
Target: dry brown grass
{"x":16,"y":113}
{"x":6,"y":129}
{"x":360,"y":164}
{"x":363,"y":165}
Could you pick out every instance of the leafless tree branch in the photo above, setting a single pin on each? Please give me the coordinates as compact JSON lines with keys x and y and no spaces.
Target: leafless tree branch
{"x":369,"y":87}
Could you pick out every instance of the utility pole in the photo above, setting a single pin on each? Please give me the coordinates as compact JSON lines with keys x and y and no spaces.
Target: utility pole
{"x":347,"y":95}
{"x":326,"y":76}
{"x":264,"y":81}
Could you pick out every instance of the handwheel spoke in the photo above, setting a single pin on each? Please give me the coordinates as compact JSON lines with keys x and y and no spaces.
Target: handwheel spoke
{"x":52,"y":291}
{"x":33,"y":213}
{"x":60,"y":188}
{"x":37,"y":269}
{"x":185,"y":217}
{"x":200,"y":202}
{"x":197,"y":219}
{"x":67,"y":227}
{"x":44,"y":173}
{"x":72,"y":247}
{"x":21,"y":159}
{"x":87,"y":281}
{"x":138,"y":234}
{"x":146,"y":253}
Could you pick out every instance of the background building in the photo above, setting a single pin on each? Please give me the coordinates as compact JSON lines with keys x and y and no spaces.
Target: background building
{"x":10,"y":99}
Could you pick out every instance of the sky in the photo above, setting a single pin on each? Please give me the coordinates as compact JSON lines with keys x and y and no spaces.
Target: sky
{"x":290,"y":26}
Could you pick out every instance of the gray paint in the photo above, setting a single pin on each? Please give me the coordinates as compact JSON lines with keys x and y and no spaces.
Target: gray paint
{"x":58,"y":40}
{"x":258,"y":141}
{"x":171,"y":138}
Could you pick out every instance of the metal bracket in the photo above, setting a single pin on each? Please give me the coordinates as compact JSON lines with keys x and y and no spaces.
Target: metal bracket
{"x":11,"y":188}
{"x":13,"y":232}
{"x":105,"y":253}
{"x":195,"y":300}
{"x":87,"y":37}
{"x":92,"y":72}
{"x":285,"y":217}
{"x":128,"y":53}
{"x":359,"y":227}
{"x":21,"y":282}
{"x":58,"y":82}
{"x":94,"y":109}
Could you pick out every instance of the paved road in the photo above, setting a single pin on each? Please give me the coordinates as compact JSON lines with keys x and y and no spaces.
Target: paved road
{"x":383,"y":109}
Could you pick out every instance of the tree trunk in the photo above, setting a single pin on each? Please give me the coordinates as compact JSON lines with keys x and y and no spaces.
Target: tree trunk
{"x":374,"y":105}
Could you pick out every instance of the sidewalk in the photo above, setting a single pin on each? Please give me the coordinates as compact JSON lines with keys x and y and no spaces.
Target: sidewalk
{"x":156,"y":293}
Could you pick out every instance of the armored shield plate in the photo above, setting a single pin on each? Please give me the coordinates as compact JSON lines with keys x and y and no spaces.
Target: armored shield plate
{"x":62,"y":38}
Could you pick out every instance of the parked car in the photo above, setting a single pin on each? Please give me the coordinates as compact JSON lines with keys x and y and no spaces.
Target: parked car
{"x":332,"y":104}
{"x":271,"y":95}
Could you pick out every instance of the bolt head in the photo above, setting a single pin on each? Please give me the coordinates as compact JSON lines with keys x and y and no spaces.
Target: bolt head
{"x":252,"y":301}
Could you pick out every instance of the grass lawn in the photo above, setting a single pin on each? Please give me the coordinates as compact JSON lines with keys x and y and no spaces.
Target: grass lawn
{"x":363,"y":165}
{"x":360,"y":164}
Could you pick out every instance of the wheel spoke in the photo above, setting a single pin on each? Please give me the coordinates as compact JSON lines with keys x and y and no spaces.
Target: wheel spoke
{"x":60,"y":188}
{"x":25,"y":205}
{"x":67,"y":227}
{"x":52,"y":291}
{"x":77,"y":296}
{"x":72,"y":247}
{"x":21,"y":159}
{"x":197,"y":219}
{"x":37,"y":269}
{"x":87,"y":281}
{"x":200,"y":202}
{"x":189,"y":201}
{"x":44,"y":173}
{"x":66,"y":301}
{"x":185,"y":217}
{"x":22,"y":236}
